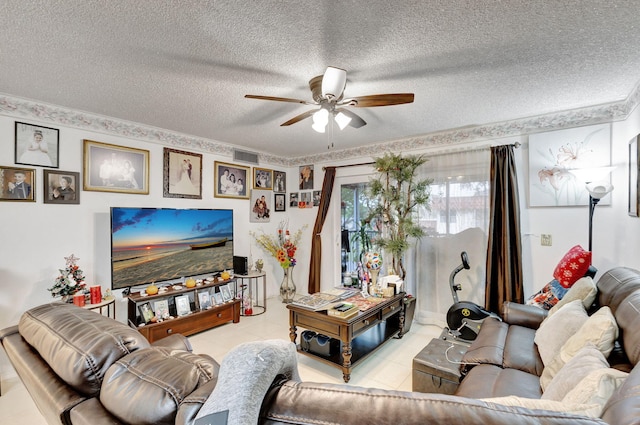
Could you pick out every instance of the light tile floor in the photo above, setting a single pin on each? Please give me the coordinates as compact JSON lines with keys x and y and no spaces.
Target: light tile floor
{"x":388,"y":368}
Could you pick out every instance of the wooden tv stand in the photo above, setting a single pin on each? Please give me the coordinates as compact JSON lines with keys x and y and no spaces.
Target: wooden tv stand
{"x":197,"y":321}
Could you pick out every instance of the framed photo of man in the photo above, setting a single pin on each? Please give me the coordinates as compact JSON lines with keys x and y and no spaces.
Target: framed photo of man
{"x":17,"y":184}
{"x":279,"y":181}
{"x":61,"y":187}
{"x":231,"y":180}
{"x":182,"y":174}
{"x":111,"y":168}
{"x":37,"y":145}
{"x":280,"y":202}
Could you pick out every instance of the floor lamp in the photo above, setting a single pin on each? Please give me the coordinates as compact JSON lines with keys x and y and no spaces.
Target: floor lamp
{"x":597,"y":191}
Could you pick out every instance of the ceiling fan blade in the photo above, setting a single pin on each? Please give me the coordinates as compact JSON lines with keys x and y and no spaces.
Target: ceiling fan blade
{"x":278,"y":99}
{"x":299,"y":117}
{"x":356,"y":121}
{"x":379,"y":100}
{"x":333,"y":82}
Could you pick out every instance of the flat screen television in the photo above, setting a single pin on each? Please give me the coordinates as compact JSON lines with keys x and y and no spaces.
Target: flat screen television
{"x":161,"y":244}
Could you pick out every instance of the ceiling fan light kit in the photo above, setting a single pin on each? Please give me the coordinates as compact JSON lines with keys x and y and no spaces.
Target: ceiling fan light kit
{"x":327,"y":91}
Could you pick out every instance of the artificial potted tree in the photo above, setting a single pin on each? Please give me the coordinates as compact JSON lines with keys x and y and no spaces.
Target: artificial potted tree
{"x":400,"y":192}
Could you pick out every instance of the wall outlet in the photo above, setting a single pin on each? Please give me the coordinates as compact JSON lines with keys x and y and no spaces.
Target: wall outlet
{"x":545,"y":240}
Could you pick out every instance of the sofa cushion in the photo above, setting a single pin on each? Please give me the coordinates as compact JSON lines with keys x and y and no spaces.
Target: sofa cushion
{"x":591,"y":410}
{"x":146,"y":387}
{"x":584,"y":289}
{"x":600,"y":331}
{"x":555,"y":330}
{"x":584,"y":362}
{"x":78,"y":344}
{"x":492,"y":381}
{"x":597,"y":387}
{"x":573,"y":266}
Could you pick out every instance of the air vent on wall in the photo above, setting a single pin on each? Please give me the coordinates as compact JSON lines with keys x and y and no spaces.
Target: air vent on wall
{"x":244,"y":156}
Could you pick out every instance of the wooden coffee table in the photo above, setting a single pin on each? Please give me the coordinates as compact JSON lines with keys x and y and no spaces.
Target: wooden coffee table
{"x":359,"y":335}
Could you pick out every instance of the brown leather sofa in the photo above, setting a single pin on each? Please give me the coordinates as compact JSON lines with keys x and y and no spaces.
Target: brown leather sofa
{"x":83,"y":368}
{"x":126,"y":367}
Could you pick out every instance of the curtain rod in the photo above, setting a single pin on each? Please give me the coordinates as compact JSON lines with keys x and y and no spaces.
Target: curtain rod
{"x":350,"y":165}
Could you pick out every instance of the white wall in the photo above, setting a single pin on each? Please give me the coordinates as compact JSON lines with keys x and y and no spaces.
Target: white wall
{"x":36,"y":236}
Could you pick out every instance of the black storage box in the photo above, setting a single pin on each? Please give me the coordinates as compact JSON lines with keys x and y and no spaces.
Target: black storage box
{"x":319,"y":344}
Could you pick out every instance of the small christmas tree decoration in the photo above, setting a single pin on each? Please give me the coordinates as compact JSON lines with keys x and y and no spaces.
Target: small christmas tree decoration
{"x":70,"y":280}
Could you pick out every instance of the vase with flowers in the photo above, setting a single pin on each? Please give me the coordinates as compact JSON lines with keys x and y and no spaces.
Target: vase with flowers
{"x":282,"y":247}
{"x":69,"y":281}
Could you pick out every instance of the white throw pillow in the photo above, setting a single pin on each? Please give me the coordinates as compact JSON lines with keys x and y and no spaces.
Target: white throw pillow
{"x":584,"y":289}
{"x":555,"y":330}
{"x":593,"y":410}
{"x":597,"y":387}
{"x":600,"y":330}
{"x":582,"y":364}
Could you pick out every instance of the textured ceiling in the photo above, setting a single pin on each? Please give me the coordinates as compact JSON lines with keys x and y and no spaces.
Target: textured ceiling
{"x":186,"y":65}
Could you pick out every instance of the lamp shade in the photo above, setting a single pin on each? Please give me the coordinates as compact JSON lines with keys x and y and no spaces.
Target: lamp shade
{"x":333,"y":82}
{"x":599,"y":190}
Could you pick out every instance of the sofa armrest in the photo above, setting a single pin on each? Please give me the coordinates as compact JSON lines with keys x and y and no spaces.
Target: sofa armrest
{"x":175,"y":342}
{"x":522,"y":314}
{"x":92,"y":412}
{"x":322,"y":403}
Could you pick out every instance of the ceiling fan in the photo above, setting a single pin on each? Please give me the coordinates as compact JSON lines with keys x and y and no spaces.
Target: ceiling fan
{"x":327,"y":91}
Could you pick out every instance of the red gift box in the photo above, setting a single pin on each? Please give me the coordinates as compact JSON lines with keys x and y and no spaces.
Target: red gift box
{"x":78,"y":299}
{"x":96,"y":294}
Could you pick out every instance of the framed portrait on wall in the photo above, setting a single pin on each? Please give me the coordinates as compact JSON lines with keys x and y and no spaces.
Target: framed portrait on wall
{"x":633,"y":176}
{"x":111,"y":168}
{"x":305,"y":200}
{"x":182,"y":174}
{"x":260,"y":206}
{"x":279,"y":181}
{"x":279,"y":202}
{"x":17,"y":184}
{"x":306,"y":177}
{"x":61,"y":187}
{"x":293,"y":199}
{"x":231,"y":180}
{"x":37,"y":145}
{"x":262,"y":178}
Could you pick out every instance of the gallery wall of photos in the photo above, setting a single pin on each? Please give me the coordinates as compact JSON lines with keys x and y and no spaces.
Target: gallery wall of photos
{"x":120,"y":169}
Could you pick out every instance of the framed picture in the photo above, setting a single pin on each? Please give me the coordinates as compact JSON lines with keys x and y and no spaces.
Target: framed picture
{"x":162,"y":309}
{"x":279,"y":181}
{"x":17,"y":184}
{"x":260,"y":206}
{"x":37,"y":145}
{"x":146,"y":313}
{"x":217,"y":297}
{"x":279,"y":202}
{"x":306,"y":177}
{"x":182,"y":174}
{"x":61,"y":187}
{"x":293,"y":199}
{"x":183,"y":307}
{"x":305,"y":200}
{"x":111,"y":168}
{"x":204,"y":300}
{"x":262,"y":178}
{"x":562,"y":161}
{"x":225,"y":293}
{"x":634,"y":162}
{"x":316,"y":198}
{"x":230,"y":180}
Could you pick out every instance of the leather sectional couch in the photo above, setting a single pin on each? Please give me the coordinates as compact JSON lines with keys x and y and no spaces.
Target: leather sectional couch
{"x":83,"y":368}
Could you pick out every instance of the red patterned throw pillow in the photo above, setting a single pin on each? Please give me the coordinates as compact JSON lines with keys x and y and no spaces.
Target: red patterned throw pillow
{"x":573,"y":266}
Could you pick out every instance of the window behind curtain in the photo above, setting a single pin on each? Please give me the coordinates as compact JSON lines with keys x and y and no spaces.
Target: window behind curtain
{"x":456,"y":221}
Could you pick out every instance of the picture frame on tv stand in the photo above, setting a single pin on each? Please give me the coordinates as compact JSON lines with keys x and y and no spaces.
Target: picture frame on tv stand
{"x":183,"y":307}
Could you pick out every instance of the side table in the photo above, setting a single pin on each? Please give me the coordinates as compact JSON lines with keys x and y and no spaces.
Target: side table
{"x":109,"y":305}
{"x":252,"y":290}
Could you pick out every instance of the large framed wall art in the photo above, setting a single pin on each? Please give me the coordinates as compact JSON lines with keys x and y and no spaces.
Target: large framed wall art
{"x":111,"y":168}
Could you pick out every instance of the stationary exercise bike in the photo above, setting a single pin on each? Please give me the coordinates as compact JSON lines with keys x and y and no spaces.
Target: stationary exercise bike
{"x":464,"y":318}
